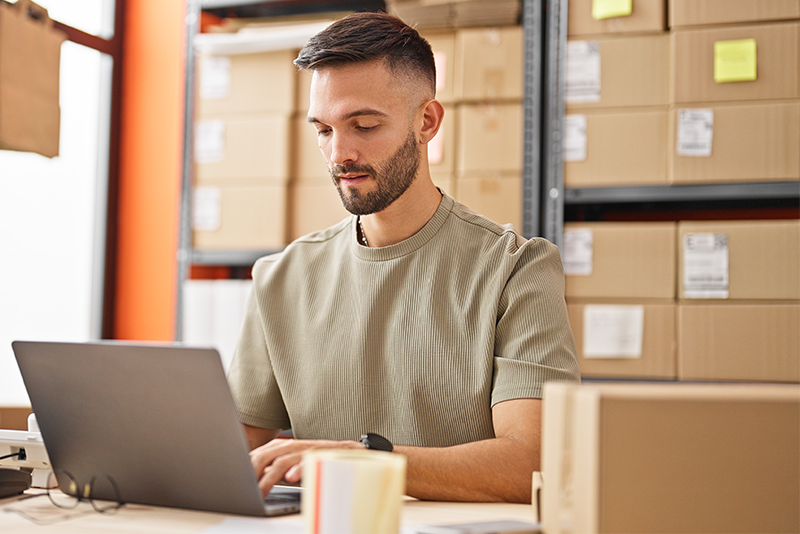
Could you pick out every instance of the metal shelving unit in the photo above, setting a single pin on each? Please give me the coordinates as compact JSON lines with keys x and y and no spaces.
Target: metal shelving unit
{"x":684,"y":193}
{"x":544,"y":50}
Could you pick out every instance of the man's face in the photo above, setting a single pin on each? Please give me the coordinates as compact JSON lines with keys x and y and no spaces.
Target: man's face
{"x":365,"y":127}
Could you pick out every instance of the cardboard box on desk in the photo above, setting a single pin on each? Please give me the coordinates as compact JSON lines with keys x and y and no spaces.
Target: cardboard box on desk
{"x":698,"y":458}
{"x":30,"y":56}
{"x":739,"y":260}
{"x":239,"y":216}
{"x":619,"y":260}
{"x":644,"y":16}
{"x":616,"y":147}
{"x":489,"y":64}
{"x":739,"y":341}
{"x":619,"y":71}
{"x":735,"y":142}
{"x":731,"y":63}
{"x":497,"y":196}
{"x":701,"y":12}
{"x":252,"y":147}
{"x":625,"y":338}
{"x":489,"y":137}
{"x":262,"y":82}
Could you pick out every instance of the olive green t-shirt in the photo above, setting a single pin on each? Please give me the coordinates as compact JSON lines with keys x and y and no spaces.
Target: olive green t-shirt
{"x":415,"y":341}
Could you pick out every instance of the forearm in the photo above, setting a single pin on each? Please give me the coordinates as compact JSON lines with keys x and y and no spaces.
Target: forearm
{"x":490,"y":470}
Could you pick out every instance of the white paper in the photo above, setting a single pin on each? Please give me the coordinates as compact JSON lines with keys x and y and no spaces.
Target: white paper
{"x":695,"y":132}
{"x":613,"y":331}
{"x":215,"y":77}
{"x":705,"y":266}
{"x":229,"y":306}
{"x":440,"y":61}
{"x":583,"y":72}
{"x":198,"y":324}
{"x":574,"y":146}
{"x":207,"y":209}
{"x":209,"y":143}
{"x":578,"y":250}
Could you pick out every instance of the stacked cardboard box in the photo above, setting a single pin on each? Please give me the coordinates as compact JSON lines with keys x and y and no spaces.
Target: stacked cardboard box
{"x":616,"y":95}
{"x":671,"y":458}
{"x":739,"y":314}
{"x":242,"y":148}
{"x":488,"y":92}
{"x":620,"y":289}
{"x":735,"y":91}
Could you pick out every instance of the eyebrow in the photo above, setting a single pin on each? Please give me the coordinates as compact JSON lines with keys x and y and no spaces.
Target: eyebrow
{"x":366,"y":112}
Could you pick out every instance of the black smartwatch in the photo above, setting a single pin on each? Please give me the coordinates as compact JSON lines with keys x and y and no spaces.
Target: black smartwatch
{"x":376,"y":442}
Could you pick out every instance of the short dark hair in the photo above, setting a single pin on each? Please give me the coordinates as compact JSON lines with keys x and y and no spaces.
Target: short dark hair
{"x":362,"y":37}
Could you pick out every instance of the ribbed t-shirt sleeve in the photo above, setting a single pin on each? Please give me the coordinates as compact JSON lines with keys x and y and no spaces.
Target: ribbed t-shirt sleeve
{"x":533,"y":339}
{"x":252,"y":381}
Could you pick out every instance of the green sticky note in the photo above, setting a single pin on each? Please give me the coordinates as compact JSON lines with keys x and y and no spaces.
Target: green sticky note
{"x":605,"y":9}
{"x":735,"y":61}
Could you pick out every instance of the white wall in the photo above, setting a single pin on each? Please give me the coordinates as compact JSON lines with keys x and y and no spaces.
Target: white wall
{"x":52,"y":215}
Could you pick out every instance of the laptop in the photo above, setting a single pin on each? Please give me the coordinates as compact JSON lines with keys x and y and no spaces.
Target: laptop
{"x":158,"y":420}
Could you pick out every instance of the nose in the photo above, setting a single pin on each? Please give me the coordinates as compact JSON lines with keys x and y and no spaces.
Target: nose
{"x":342,"y":149}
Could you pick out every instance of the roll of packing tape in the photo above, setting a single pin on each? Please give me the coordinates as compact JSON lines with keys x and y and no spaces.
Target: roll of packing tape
{"x":353,"y":491}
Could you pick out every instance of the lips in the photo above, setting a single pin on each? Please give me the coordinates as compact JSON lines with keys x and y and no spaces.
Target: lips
{"x":352,"y":178}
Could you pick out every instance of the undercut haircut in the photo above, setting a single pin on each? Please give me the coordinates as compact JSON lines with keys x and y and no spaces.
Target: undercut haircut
{"x":364,"y":37}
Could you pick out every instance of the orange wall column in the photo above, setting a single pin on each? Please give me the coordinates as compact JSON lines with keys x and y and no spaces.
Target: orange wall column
{"x":150,"y":169}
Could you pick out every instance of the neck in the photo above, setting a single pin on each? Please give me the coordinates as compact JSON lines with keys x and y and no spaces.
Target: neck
{"x":405,"y":217}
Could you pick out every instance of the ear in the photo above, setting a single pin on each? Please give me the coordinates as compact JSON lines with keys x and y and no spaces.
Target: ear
{"x":432,"y":117}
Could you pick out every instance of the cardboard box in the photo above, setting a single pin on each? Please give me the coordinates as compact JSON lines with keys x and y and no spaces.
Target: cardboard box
{"x":30,"y":57}
{"x":442,"y":148}
{"x":313,"y":208}
{"x":739,"y":259}
{"x":699,"y":12}
{"x":645,"y":16}
{"x":261,"y":82}
{"x":253,"y":147}
{"x":742,"y":142}
{"x":489,"y":64}
{"x":229,"y":216}
{"x":14,"y":418}
{"x":308,"y":164}
{"x":620,"y":260}
{"x":443,"y":44}
{"x":618,"y":72}
{"x":490,"y":138}
{"x":750,"y":342}
{"x":625,"y":339}
{"x":616,"y":148}
{"x":303,"y":91}
{"x":776,"y":63}
{"x":697,"y":458}
{"x":496,"y":196}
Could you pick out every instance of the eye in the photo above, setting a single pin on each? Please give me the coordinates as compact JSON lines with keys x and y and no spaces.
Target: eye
{"x":323,"y":132}
{"x":365,"y":128}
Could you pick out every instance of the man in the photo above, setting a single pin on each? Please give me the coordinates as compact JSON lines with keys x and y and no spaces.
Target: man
{"x":415,"y":319}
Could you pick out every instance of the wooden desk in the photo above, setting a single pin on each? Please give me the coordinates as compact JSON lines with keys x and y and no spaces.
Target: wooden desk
{"x":133,"y":518}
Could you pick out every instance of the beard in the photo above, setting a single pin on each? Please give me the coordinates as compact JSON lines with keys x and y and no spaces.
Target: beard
{"x":393,"y":177}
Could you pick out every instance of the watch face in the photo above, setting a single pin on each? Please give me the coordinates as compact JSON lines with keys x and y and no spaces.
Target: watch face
{"x":376,"y":442}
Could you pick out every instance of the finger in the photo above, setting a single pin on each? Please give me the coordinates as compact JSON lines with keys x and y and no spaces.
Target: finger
{"x":261,"y":457}
{"x":276,"y":472}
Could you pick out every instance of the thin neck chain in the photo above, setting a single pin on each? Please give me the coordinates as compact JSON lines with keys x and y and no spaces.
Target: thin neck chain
{"x":363,"y":236}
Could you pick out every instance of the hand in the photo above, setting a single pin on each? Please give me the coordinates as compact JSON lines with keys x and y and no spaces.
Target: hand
{"x":280,"y":459}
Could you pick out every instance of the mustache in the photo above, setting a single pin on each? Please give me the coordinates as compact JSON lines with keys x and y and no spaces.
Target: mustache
{"x":353,"y":168}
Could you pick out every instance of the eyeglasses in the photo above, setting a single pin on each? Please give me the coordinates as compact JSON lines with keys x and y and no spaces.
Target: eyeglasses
{"x":70,"y":497}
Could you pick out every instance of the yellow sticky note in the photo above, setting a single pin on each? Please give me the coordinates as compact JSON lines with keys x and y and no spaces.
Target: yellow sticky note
{"x":735,"y":61}
{"x":606,"y":9}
